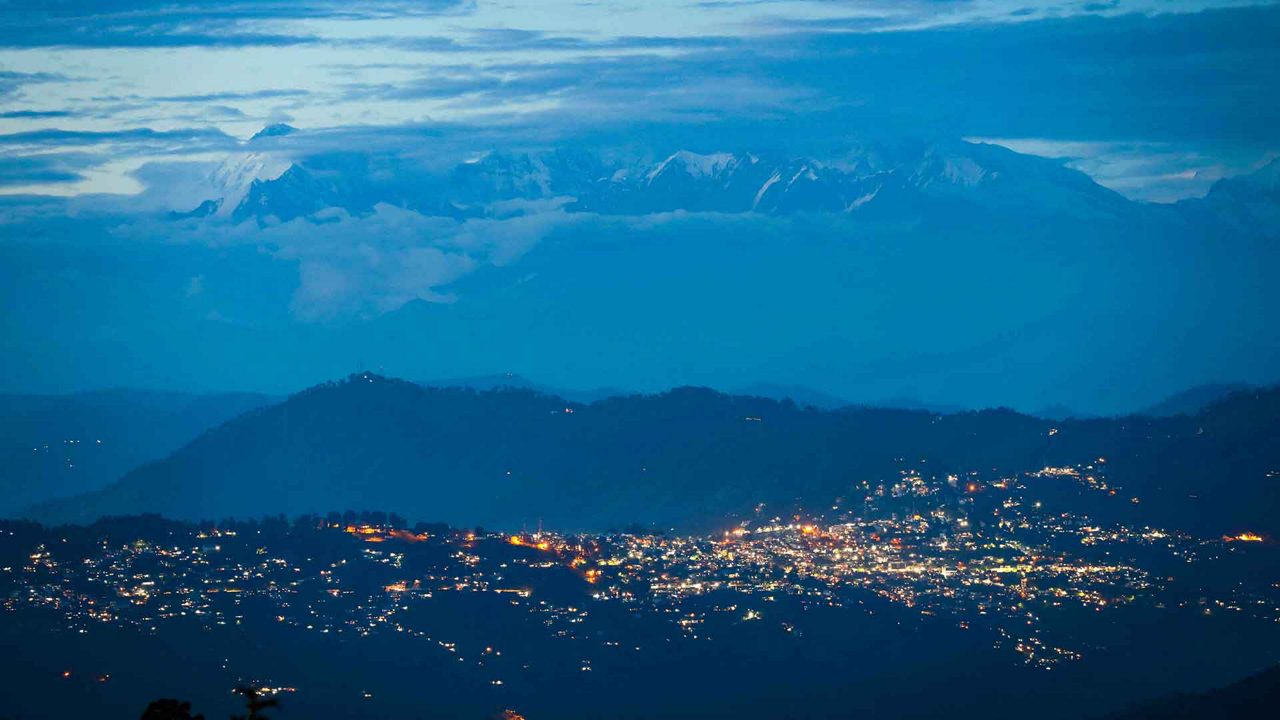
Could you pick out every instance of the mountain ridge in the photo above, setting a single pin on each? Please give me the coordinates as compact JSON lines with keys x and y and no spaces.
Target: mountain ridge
{"x":687,"y":457}
{"x":892,"y":179}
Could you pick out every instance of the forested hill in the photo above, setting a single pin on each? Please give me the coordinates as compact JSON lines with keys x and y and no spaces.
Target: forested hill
{"x":689,"y":457}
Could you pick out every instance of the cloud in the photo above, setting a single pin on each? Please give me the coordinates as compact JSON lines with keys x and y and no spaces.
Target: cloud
{"x":366,"y":266}
{"x":599,"y":90}
{"x":206,"y":138}
{"x":34,"y":114}
{"x":161,"y":23}
{"x":12,"y":82}
{"x":362,"y":267}
{"x":42,"y":169}
{"x":228,"y":96}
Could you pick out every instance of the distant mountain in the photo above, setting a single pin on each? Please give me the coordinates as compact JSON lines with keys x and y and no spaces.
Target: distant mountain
{"x":350,"y":181}
{"x":58,"y":445}
{"x":276,"y":130}
{"x":901,"y":402}
{"x":1193,"y":400}
{"x":204,"y":209}
{"x":825,"y":401}
{"x":890,"y":181}
{"x":1248,"y":203}
{"x":796,"y":393}
{"x":1253,"y":697}
{"x":690,"y":457}
{"x":227,"y":183}
{"x":899,"y":181}
{"x":1058,"y":412}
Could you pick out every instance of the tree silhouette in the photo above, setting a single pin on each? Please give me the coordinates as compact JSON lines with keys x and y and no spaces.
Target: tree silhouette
{"x":169,"y":709}
{"x":256,"y":702}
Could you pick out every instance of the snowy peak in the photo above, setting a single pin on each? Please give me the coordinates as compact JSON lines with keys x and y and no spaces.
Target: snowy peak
{"x":904,"y":180}
{"x":694,"y":165}
{"x":950,"y":170}
{"x":232,"y":179}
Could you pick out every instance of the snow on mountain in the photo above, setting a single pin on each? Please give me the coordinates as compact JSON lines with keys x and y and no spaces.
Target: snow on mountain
{"x":231,"y":180}
{"x":901,"y":181}
{"x":694,"y":165}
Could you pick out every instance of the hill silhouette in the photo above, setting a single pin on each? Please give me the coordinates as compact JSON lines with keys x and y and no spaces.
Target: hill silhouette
{"x":1255,"y":696}
{"x":690,"y":457}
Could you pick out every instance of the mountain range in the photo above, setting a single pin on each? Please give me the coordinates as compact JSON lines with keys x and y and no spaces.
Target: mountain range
{"x":886,"y":181}
{"x":687,"y":458}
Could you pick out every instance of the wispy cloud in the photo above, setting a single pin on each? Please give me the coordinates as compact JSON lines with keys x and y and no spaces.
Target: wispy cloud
{"x":11,"y":82}
{"x":43,"y":169}
{"x":160,"y":23}
{"x":34,"y":114}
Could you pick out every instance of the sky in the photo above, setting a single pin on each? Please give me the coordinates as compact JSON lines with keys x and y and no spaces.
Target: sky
{"x":1156,"y":98}
{"x":115,"y":112}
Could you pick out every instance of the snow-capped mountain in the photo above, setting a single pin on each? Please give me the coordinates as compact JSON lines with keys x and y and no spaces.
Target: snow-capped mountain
{"x":1248,"y":202}
{"x":909,"y":179}
{"x":904,"y":181}
{"x":231,"y":181}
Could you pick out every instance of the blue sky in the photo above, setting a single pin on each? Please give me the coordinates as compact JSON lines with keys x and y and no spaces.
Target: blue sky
{"x":115,"y":113}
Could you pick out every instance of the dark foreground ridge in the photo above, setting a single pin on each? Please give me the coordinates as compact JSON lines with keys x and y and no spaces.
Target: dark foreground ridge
{"x":1254,"y":697}
{"x":688,"y":458}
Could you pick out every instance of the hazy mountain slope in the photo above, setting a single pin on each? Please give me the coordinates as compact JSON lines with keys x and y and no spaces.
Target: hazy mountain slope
{"x":687,"y":457}
{"x":1247,"y":204}
{"x":799,"y":394}
{"x":57,"y":445}
{"x":1193,"y":400}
